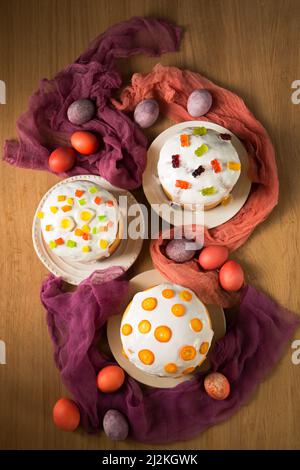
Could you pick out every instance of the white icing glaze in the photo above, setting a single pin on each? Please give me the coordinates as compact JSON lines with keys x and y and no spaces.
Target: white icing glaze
{"x":182,"y":333}
{"x":110,"y":223}
{"x":219,"y":149}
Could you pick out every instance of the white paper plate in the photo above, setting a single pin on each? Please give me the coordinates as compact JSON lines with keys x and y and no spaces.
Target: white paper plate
{"x":75,"y":272}
{"x":211,"y":218}
{"x":137,"y":284}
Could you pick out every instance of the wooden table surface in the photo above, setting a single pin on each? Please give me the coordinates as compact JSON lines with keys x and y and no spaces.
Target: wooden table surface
{"x":249,"y":46}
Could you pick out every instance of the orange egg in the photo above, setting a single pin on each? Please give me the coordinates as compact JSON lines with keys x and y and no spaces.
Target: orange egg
{"x":212,"y":257}
{"x":84,"y":142}
{"x":168,"y":293}
{"x":66,"y":415}
{"x":163,"y":334}
{"x":231,"y":276}
{"x":187,"y":353}
{"x":217,"y":386}
{"x":149,"y":304}
{"x":110,"y":379}
{"x":178,"y":310}
{"x":196,"y":324}
{"x":146,"y":357}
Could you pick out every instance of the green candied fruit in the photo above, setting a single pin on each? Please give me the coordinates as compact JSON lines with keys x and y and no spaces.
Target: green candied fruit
{"x":208,"y":191}
{"x":71,"y":244}
{"x":82,"y":202}
{"x":94,"y":230}
{"x":199,"y":130}
{"x":93,"y":190}
{"x":52,"y":244}
{"x":201,"y":150}
{"x":102,"y":218}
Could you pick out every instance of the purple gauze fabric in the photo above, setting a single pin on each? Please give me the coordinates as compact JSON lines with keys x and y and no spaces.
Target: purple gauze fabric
{"x":250,"y":349}
{"x":122,"y":157}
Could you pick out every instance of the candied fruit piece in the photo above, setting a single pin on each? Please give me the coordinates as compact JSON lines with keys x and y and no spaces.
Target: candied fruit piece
{"x":79,"y":192}
{"x":93,"y":190}
{"x":71,"y":244}
{"x":103,"y":244}
{"x":184,"y":140}
{"x":82,"y":202}
{"x":85,"y":228}
{"x":104,"y":228}
{"x":61,"y":198}
{"x":97,"y":200}
{"x":66,"y":208}
{"x":70,"y":201}
{"x":86,"y":249}
{"x":182,"y":184}
{"x":52,"y":244}
{"x":86,"y":236}
{"x":216,"y":166}
{"x":48,"y":228}
{"x":208,"y":191}
{"x":53,"y":209}
{"x":198,"y":171}
{"x":78,"y":232}
{"x":59,"y":241}
{"x":94,"y":230}
{"x":40,"y":215}
{"x":175,"y":161}
{"x":233,"y":166}
{"x":110,"y":203}
{"x":201,"y":150}
{"x":102,"y":218}
{"x":199,"y":130}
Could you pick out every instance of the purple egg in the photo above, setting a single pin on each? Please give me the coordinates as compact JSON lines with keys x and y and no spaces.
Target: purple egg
{"x":199,"y":103}
{"x":81,"y":111}
{"x":176,"y":250}
{"x":146,"y":113}
{"x":115,"y":425}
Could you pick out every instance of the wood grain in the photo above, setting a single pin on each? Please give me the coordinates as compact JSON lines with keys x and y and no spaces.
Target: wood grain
{"x":249,"y":46}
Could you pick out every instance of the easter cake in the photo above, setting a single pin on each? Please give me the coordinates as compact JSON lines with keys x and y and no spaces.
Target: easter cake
{"x":80,"y":221}
{"x":166,"y":331}
{"x":199,"y":166}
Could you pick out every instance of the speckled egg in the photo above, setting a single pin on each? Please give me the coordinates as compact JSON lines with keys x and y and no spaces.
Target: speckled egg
{"x":146,"y":113}
{"x":217,"y":386}
{"x":199,"y":102}
{"x":115,"y":425}
{"x":81,"y":111}
{"x":177,"y":250}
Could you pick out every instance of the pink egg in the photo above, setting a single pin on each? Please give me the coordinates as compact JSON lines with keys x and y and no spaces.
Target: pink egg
{"x":199,"y":102}
{"x":213,"y":257}
{"x":217,"y":386}
{"x":231,"y":276}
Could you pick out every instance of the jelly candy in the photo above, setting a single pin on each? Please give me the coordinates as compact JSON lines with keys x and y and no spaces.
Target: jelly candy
{"x":233,"y":166}
{"x":201,"y":150}
{"x":225,"y":136}
{"x":199,"y":130}
{"x":216,"y":166}
{"x":71,"y":244}
{"x":184,"y":140}
{"x":198,"y":171}
{"x":175,"y":161}
{"x":79,"y":192}
{"x":182,"y":184}
{"x":110,"y":203}
{"x":208,"y":191}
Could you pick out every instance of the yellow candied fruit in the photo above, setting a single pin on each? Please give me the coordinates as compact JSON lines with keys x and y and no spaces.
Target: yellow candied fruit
{"x":85,"y":216}
{"x":49,"y":228}
{"x":65,"y":223}
{"x":170,"y":368}
{"x":40,"y":215}
{"x":126,"y":329}
{"x":85,"y":228}
{"x":103,"y":244}
{"x":185,"y":295}
{"x":53,"y":209}
{"x":163,"y":334}
{"x":196,"y":324}
{"x":233,"y":166}
{"x":86,"y":249}
{"x":204,"y":347}
{"x":61,"y":198}
{"x":149,"y":303}
{"x":70,"y":201}
{"x":168,"y":293}
{"x":78,"y":232}
{"x":146,"y":357}
{"x":188,"y":353}
{"x":178,"y":310}
{"x":144,"y":326}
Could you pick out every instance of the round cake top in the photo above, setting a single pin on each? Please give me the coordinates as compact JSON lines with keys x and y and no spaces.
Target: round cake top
{"x":198,"y":166}
{"x":166,"y":330}
{"x":79,"y":221}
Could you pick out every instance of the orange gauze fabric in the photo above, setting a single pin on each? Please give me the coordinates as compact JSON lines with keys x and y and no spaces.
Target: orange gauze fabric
{"x":171,"y":87}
